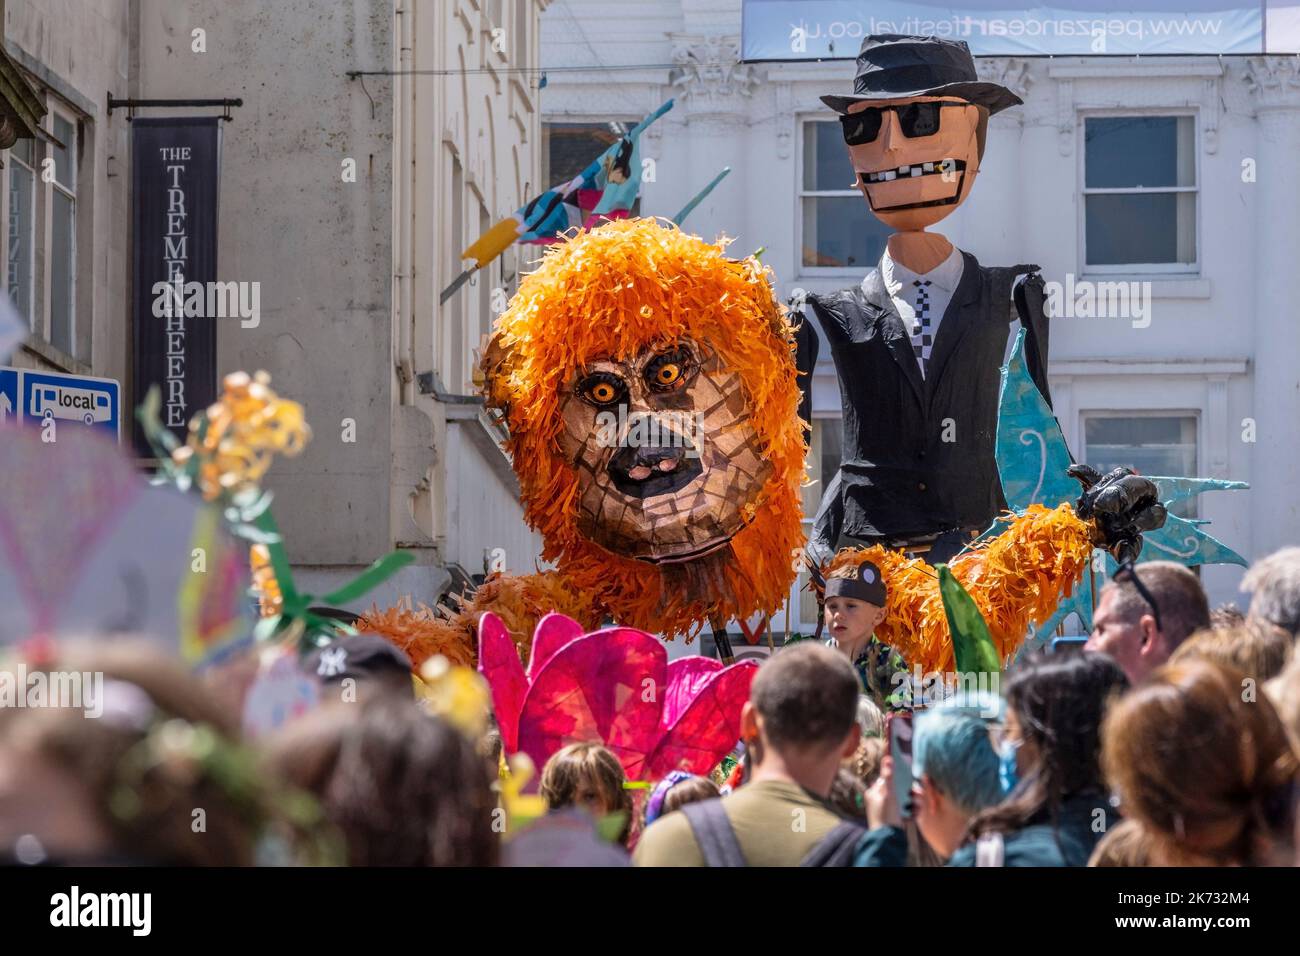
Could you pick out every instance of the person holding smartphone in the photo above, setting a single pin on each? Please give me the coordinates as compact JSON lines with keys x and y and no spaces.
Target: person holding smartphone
{"x":939,"y":775}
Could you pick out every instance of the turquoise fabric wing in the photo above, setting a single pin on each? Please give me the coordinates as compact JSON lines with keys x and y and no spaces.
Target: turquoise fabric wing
{"x":1032,"y":458}
{"x":1031,"y":451}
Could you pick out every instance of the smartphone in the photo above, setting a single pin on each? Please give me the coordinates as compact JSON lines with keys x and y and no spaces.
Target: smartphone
{"x":1065,"y":644}
{"x":899,"y":729}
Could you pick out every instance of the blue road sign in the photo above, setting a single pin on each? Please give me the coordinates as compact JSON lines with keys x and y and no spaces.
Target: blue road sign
{"x":10,"y":406}
{"x":78,"y":400}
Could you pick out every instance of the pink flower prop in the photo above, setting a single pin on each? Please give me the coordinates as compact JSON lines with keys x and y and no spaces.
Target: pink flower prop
{"x":616,"y":687}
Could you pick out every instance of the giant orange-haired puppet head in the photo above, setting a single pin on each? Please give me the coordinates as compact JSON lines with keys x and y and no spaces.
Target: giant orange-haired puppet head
{"x":647,"y":383}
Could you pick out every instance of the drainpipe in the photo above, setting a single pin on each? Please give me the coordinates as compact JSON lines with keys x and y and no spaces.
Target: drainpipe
{"x":403,"y":201}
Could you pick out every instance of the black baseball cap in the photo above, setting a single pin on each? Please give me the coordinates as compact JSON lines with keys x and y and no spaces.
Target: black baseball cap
{"x":866,"y":584}
{"x":359,"y":656}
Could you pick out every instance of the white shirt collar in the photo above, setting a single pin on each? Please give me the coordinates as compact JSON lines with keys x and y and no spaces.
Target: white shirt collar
{"x":943,"y":277}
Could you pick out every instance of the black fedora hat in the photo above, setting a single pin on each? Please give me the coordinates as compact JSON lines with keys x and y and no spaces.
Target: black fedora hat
{"x":892,"y":66}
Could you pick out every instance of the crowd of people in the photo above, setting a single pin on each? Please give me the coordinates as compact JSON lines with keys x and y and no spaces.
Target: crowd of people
{"x":1170,"y":738}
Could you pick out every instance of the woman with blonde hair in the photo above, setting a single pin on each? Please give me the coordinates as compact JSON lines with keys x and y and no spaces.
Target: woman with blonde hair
{"x":1205,"y":769}
{"x":1258,"y":649}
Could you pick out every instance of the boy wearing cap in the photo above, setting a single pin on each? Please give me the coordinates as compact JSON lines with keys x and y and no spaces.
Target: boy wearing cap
{"x":854,"y":606}
{"x":919,"y":343}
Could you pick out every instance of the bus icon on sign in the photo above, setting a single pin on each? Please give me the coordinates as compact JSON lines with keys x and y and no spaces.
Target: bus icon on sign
{"x":75,"y":404}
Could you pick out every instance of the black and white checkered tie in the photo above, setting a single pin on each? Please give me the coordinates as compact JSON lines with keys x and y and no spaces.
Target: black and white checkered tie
{"x":922,"y":338}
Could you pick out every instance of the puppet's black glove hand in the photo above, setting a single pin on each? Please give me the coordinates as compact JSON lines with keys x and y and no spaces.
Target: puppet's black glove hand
{"x":1121,"y":505}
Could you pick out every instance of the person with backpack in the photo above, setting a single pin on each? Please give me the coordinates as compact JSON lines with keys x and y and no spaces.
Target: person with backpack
{"x":800,"y":721}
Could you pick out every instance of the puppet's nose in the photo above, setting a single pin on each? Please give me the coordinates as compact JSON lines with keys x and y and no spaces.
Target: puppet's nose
{"x":891,"y":137}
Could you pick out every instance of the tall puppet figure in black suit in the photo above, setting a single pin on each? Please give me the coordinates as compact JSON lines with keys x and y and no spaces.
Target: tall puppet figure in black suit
{"x":919,"y":343}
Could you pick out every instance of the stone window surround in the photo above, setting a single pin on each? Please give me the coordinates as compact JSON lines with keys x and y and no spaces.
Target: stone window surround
{"x":73,"y":105}
{"x":38,"y":343}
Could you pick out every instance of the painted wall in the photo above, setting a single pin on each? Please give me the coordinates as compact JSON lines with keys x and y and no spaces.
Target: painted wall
{"x":318,"y":246}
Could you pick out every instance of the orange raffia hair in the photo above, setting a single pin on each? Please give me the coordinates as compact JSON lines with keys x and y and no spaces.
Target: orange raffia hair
{"x":609,"y":293}
{"x":519,"y":600}
{"x":1015,"y":579}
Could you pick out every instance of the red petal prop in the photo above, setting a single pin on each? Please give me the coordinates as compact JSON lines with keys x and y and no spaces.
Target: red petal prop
{"x":498,"y":662}
{"x":553,"y":632}
{"x":709,"y":727}
{"x":614,"y":687}
{"x":686,"y":677}
{"x":602,"y":687}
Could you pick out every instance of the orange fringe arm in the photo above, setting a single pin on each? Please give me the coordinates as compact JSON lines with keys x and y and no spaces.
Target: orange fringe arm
{"x":519,"y":600}
{"x":420,"y":633}
{"x":1016,"y":579}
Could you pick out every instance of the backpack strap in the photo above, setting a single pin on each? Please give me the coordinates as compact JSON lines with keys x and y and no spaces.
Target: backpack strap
{"x":838,"y":847}
{"x":990,"y":850}
{"x":714,"y":834}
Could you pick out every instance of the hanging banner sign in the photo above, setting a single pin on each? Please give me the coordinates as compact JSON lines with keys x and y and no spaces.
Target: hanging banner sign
{"x":175,"y":169}
{"x":834,"y":29}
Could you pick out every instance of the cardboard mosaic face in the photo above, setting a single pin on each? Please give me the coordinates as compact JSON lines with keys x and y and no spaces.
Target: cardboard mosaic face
{"x":666,"y":454}
{"x":632,"y":356}
{"x":913,"y":181}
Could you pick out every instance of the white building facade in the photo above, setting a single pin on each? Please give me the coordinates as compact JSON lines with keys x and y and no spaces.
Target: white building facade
{"x":1174,"y":176}
{"x":465,"y":155}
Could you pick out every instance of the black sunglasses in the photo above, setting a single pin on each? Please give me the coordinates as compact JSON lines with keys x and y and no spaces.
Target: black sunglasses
{"x":914,"y":119}
{"x":1126,"y":569}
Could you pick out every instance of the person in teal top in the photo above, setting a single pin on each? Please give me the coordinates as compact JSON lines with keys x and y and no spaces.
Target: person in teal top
{"x":1055,"y":806}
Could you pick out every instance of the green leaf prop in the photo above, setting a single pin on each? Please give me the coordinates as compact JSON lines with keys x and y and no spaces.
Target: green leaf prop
{"x":372,"y":577}
{"x":279,"y":560}
{"x":162,"y":441}
{"x":972,"y":645}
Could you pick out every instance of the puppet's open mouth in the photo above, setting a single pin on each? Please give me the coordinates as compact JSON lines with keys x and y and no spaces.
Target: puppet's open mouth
{"x":954,"y":168}
{"x":694,"y":555}
{"x":647,"y":471}
{"x":914,"y":171}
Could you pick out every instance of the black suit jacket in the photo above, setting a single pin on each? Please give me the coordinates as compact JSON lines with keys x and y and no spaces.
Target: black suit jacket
{"x":918,"y":454}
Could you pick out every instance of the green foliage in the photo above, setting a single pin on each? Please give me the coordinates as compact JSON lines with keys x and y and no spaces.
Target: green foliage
{"x":972,"y":644}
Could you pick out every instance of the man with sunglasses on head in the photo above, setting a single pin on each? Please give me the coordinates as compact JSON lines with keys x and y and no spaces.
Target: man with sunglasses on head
{"x":1144,"y":613}
{"x":919,"y":344}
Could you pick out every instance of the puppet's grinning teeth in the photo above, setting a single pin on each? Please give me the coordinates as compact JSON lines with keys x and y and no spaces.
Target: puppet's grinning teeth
{"x":912,"y":170}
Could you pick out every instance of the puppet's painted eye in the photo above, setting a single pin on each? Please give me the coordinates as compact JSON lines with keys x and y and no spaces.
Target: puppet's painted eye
{"x":667,"y":374}
{"x":602,"y":389}
{"x":668,"y":370}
